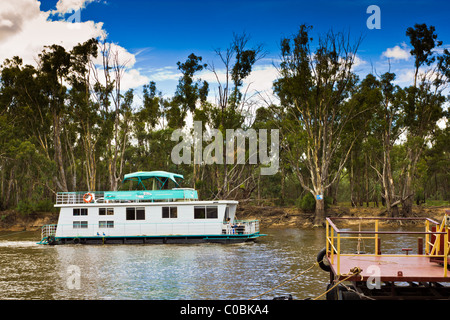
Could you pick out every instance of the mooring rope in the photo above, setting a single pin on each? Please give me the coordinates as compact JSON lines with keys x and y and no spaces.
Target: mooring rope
{"x":353,"y":272}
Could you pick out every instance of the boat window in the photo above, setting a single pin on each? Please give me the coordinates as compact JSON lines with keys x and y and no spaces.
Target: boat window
{"x":135,"y":213}
{"x":211,"y":212}
{"x":80,"y":224}
{"x":80,"y":211}
{"x":140,"y":213}
{"x":131,"y":213}
{"x":199,"y":212}
{"x":170,"y":212}
{"x":106,"y":211}
{"x":106,"y":224}
{"x":203,"y":212}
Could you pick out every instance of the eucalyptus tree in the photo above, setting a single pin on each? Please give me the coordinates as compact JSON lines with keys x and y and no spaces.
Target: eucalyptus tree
{"x":424,"y":101}
{"x":190,"y":91}
{"x":424,"y":40}
{"x":436,"y":179}
{"x":147,"y":120}
{"x":385,"y":130}
{"x":236,"y":64}
{"x":190,"y":96}
{"x":84,"y":119}
{"x":54,"y":67}
{"x":27,"y":163}
{"x":109,"y":95}
{"x":314,"y":88}
{"x":366,"y":96}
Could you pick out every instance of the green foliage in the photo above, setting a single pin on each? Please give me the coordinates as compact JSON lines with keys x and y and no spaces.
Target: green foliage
{"x":424,"y":40}
{"x":26,"y":207}
{"x":307,"y":202}
{"x":189,"y":91}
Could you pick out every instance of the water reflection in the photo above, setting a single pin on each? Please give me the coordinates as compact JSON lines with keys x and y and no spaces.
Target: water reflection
{"x":204,"y":271}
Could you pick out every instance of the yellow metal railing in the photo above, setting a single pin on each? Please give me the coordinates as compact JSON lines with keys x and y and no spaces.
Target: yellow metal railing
{"x":335,"y":236}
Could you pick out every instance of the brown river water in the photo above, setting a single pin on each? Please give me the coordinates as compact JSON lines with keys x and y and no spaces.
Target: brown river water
{"x":162,"y":272}
{"x":165,"y":271}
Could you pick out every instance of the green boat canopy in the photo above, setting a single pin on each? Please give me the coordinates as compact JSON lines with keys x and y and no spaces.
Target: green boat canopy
{"x":144,"y":175}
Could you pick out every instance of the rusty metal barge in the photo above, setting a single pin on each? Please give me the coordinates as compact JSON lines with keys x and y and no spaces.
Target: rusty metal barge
{"x":359,"y":268}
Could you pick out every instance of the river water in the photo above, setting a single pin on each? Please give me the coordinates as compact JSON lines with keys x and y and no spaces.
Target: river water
{"x":162,"y":272}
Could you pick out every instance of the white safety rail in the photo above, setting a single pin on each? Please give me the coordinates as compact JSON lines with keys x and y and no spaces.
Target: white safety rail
{"x":241,"y":227}
{"x":78,"y":197}
{"x":48,"y":230}
{"x":99,"y":197}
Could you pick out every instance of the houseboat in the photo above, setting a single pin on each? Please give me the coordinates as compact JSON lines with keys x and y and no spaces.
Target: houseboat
{"x":151,"y":213}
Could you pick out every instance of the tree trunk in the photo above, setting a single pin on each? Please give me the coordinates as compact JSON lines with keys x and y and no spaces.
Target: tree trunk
{"x":407,"y":196}
{"x":395,"y":212}
{"x":319,"y":218}
{"x":335,"y":191}
{"x":283,"y":184}
{"x":390,"y":194}
{"x":58,"y":152}
{"x":2,"y":185}
{"x":366,"y":174}
{"x":259,"y":189}
{"x":408,"y":192}
{"x":351,"y":177}
{"x":9,"y":189}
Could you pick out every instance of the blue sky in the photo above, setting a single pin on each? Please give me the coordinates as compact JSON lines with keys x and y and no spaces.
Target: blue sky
{"x":160,"y":33}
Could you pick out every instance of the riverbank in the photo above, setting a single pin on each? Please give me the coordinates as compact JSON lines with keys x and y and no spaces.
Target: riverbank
{"x":279,"y":217}
{"x":12,"y":220}
{"x":269,"y":216}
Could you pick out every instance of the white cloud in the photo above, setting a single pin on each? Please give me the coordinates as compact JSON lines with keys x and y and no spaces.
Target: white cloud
{"x":397,"y":53}
{"x":358,"y":61}
{"x":14,"y":14}
{"x":165,"y":73}
{"x":405,"y":77}
{"x":261,"y":79}
{"x":442,"y":123}
{"x":28,"y":30}
{"x":66,"y":6}
{"x":25,"y":30}
{"x":124,"y":57}
{"x":131,"y":79}
{"x":258,"y":85}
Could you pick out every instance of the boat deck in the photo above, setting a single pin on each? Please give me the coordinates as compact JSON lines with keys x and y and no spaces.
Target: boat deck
{"x":429,"y":263}
{"x":390,"y":268}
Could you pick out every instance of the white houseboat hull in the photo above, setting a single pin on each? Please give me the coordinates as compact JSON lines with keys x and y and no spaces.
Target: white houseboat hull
{"x":108,"y":223}
{"x":146,"y":216}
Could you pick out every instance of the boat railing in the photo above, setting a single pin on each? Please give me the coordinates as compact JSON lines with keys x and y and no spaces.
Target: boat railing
{"x":47,"y":231}
{"x":78,"y":197}
{"x":436,"y":241}
{"x":170,"y":195}
{"x":241,"y":227}
{"x":151,"y":229}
